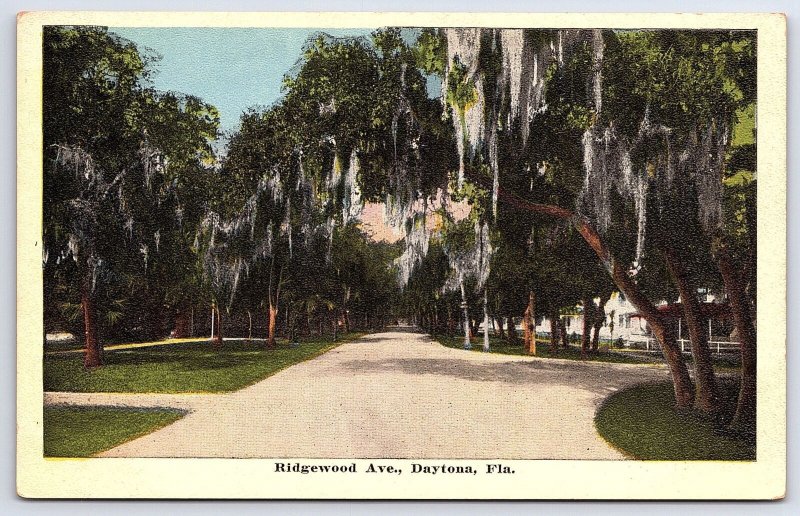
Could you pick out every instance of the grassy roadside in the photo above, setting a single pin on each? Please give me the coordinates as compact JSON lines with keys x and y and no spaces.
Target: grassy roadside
{"x":85,"y":431}
{"x":641,"y":421}
{"x":183,"y":367}
{"x":504,"y":347}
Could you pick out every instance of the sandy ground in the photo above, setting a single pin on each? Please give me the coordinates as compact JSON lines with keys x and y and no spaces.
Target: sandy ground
{"x":393,"y":395}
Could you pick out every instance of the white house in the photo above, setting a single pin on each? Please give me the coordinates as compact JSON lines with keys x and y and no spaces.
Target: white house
{"x":622,"y":321}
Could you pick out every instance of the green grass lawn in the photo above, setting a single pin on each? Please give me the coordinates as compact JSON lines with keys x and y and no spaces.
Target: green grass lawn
{"x":188,"y":367}
{"x":642,"y":422}
{"x":502,"y":346}
{"x":84,"y":431}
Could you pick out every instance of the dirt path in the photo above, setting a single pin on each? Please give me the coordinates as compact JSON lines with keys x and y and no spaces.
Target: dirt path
{"x":396,"y":395}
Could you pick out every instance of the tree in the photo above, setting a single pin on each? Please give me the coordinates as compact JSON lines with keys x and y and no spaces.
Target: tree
{"x":104,"y":172}
{"x":623,"y":117}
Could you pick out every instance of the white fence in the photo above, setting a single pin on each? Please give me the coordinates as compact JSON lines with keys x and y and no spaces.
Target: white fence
{"x":718,"y":345}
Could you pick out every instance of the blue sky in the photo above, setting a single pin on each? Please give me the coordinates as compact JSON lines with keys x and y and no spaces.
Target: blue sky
{"x":231,"y":68}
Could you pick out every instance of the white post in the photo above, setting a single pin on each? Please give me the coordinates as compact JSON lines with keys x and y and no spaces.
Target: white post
{"x":464,"y":306}
{"x":709,"y":329}
{"x":212,"y":322}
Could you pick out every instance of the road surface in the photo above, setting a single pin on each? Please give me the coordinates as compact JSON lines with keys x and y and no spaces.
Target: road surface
{"x":394,"y":395}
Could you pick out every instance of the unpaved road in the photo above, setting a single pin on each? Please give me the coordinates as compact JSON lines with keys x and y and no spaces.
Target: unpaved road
{"x":395,"y":395}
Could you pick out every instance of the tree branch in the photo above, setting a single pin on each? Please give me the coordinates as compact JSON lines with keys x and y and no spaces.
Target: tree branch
{"x":595,"y":241}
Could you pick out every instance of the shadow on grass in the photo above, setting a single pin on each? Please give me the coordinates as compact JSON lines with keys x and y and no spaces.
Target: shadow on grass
{"x":642,"y":422}
{"x":502,"y":346}
{"x":85,"y":431}
{"x":186,"y":367}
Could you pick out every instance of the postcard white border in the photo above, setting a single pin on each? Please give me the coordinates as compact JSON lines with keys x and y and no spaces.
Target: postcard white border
{"x":254,"y":478}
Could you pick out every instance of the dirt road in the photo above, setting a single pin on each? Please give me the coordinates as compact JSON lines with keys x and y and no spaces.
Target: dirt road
{"x":399,"y":395}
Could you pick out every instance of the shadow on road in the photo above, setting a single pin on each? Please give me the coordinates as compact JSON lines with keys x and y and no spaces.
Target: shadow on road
{"x":595,"y":378}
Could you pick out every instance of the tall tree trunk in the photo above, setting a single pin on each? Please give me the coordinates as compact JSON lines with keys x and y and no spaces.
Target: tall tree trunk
{"x":511,"y":330}
{"x":682,"y":384}
{"x":588,"y":316}
{"x":707,"y":395}
{"x":216,"y":337}
{"x":272,"y":312}
{"x":744,"y":420}
{"x":93,"y":356}
{"x":273,"y":295}
{"x":529,"y":321}
{"x":485,"y":320}
{"x":599,"y":319}
{"x":500,"y":329}
{"x":345,"y":311}
{"x":564,"y":336}
{"x":681,"y":381}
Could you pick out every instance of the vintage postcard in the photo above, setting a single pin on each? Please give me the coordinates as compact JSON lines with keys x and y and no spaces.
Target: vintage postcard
{"x":376,"y":256}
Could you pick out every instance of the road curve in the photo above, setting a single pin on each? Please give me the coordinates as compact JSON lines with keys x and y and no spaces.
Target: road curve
{"x":401,"y":395}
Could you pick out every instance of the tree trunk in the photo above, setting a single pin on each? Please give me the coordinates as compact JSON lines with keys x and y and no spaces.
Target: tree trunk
{"x":511,"y":331}
{"x":485,"y":320}
{"x":599,"y":319}
{"x":707,"y":395}
{"x":564,"y":337}
{"x":744,"y":420}
{"x":272,"y":312}
{"x":529,"y":321}
{"x":345,"y":311}
{"x":93,"y":356}
{"x":619,"y":273}
{"x":500,"y":330}
{"x":216,"y":336}
{"x":682,"y":383}
{"x":182,"y":322}
{"x":465,"y":307}
{"x":588,"y":315}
